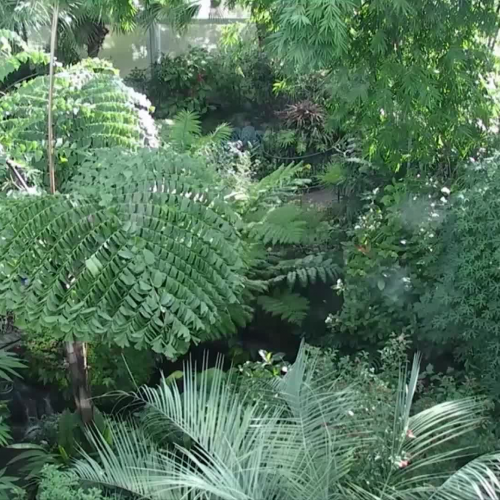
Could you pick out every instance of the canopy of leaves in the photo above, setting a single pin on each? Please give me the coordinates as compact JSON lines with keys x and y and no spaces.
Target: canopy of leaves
{"x":140,"y":252}
{"x":410,"y":74}
{"x":93,"y":109}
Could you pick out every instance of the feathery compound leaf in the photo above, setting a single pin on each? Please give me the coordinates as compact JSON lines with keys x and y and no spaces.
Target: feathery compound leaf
{"x":307,"y":270}
{"x":185,"y":130}
{"x":14,"y":51}
{"x":145,"y":256}
{"x":283,"y":225}
{"x":289,"y":307}
{"x":93,"y":109}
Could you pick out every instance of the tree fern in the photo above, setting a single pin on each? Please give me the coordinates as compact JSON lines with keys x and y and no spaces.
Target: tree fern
{"x":136,"y":255}
{"x":307,"y":270}
{"x":93,"y":109}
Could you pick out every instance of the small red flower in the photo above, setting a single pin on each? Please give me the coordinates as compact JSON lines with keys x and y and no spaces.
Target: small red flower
{"x":403,"y":463}
{"x":409,"y":434}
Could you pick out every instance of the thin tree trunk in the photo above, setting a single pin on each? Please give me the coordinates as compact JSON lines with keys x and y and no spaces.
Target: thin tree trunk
{"x":50,"y":125}
{"x":76,"y":353}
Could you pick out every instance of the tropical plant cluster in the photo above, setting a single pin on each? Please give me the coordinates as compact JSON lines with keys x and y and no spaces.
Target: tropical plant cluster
{"x":220,"y":269}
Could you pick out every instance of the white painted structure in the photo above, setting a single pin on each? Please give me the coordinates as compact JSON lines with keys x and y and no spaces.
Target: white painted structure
{"x":141,"y":48}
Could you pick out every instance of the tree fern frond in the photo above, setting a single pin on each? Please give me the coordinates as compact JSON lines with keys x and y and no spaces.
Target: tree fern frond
{"x":282,"y":225}
{"x":185,"y":129}
{"x":307,"y":270}
{"x":290,"y":307}
{"x":135,"y":256}
{"x":281,"y":182}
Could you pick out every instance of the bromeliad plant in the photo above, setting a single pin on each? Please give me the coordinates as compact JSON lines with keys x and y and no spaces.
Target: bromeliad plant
{"x":207,"y":442}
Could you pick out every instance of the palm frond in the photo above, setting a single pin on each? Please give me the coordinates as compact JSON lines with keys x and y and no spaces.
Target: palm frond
{"x":206,"y":441}
{"x":224,"y":446}
{"x":479,"y":479}
{"x":221,"y":134}
{"x":9,"y":365}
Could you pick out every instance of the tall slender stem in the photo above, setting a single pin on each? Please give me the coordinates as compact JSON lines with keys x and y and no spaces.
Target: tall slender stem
{"x":50,"y":124}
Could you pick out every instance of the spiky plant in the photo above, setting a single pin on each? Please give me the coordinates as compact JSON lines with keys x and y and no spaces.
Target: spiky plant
{"x":208,"y":442}
{"x":303,"y":115}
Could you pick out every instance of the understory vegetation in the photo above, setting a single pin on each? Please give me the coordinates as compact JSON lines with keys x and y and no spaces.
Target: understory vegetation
{"x":268,"y":270}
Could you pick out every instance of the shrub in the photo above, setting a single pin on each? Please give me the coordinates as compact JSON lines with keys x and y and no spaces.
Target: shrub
{"x":461,"y":311}
{"x":386,"y":260}
{"x":57,"y":484}
{"x":183,"y":82}
{"x":110,"y":367}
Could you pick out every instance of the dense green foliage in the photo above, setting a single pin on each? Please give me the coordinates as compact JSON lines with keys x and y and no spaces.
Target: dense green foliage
{"x":328,"y":172}
{"x":134,"y":252}
{"x":58,"y":485}
{"x":409,"y":74}
{"x":93,"y":110}
{"x":210,"y":441}
{"x":460,"y":310}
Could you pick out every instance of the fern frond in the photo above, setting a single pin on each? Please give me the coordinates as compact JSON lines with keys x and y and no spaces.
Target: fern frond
{"x":185,"y":130}
{"x":134,"y":256}
{"x":221,"y":134}
{"x":283,"y":225}
{"x":305,"y":271}
{"x":281,"y":182}
{"x":290,"y":307}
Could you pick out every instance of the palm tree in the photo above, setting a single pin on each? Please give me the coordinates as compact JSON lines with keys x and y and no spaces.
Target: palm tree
{"x":208,"y":442}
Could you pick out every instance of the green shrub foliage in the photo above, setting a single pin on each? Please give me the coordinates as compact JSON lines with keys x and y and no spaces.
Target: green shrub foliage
{"x":140,"y":252}
{"x":57,"y":484}
{"x":408,"y":74}
{"x":93,"y":109}
{"x":461,"y":311}
{"x":386,"y":264}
